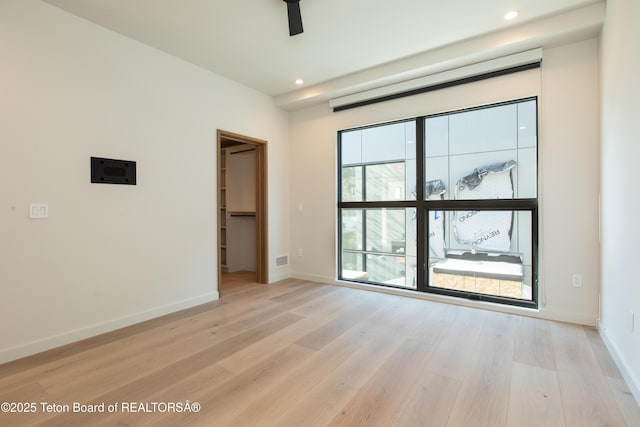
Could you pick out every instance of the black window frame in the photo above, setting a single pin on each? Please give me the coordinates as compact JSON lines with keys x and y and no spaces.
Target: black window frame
{"x":423,"y":206}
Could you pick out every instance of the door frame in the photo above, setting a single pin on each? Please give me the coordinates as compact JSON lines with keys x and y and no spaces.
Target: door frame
{"x":262,"y":246}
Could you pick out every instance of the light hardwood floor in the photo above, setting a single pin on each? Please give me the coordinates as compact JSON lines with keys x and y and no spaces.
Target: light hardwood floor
{"x":302,"y":354}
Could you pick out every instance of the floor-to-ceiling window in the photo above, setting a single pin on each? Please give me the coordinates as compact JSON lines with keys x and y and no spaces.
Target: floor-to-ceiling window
{"x":444,"y":203}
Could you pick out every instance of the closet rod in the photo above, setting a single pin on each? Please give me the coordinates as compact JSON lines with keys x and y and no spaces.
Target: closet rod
{"x":243,"y":214}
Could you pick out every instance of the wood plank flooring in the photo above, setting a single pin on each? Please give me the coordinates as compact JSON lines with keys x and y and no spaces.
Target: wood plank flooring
{"x":297,"y":353}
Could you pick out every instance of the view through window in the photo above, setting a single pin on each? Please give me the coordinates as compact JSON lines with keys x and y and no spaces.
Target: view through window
{"x":444,"y":204}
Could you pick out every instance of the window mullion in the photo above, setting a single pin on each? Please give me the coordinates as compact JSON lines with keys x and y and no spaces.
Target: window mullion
{"x":422,"y":226}
{"x":364,"y":183}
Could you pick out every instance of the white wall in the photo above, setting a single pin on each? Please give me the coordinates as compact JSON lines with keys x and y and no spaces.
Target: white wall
{"x":569,"y":189}
{"x":112,"y":255}
{"x":568,"y":89}
{"x":620,"y":197}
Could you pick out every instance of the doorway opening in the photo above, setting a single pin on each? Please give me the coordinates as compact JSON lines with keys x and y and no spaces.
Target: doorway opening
{"x":242,"y":210}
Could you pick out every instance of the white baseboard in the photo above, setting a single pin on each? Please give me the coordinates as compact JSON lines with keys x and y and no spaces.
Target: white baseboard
{"x":541,"y":313}
{"x":279,"y":273}
{"x":575,"y":318}
{"x":312,"y":277}
{"x":630,"y":379}
{"x":48,"y":343}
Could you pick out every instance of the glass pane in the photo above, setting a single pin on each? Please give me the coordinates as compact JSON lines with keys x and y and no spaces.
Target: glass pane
{"x":437,"y":230}
{"x":384,"y":143}
{"x":410,"y":139}
{"x":386,"y":269}
{"x":410,"y":273}
{"x":352,"y":229}
{"x":387,"y":154}
{"x":385,"y":182}
{"x":489,"y":153}
{"x":483,"y":175}
{"x":351,"y":263}
{"x":389,"y":256}
{"x":351,"y":143}
{"x":410,"y":190}
{"x":437,"y":136}
{"x":352,"y":184}
{"x":484,"y":230}
{"x":486,"y":129}
{"x":386,"y":230}
{"x":411,"y":245}
{"x":485,"y":252}
{"x":527,"y":124}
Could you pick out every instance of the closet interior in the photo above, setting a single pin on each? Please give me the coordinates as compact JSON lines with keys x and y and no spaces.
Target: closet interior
{"x":237,"y":206}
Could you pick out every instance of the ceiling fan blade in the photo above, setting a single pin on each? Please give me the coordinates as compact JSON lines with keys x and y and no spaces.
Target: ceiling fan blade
{"x":295,"y":18}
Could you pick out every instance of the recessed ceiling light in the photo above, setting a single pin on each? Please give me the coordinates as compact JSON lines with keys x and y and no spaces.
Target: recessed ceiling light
{"x":299,"y":81}
{"x":510,"y":15}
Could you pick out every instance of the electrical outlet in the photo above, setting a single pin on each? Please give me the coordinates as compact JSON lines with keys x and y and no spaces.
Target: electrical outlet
{"x":299,"y":251}
{"x":576,"y":281}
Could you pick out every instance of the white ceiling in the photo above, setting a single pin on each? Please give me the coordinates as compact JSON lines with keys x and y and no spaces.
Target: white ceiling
{"x":248,"y":40}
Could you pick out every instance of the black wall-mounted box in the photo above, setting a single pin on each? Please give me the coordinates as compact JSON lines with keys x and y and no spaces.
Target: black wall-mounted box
{"x":111,"y":171}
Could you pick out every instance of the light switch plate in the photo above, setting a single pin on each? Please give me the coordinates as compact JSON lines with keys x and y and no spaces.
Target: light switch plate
{"x":38,"y":211}
{"x":576,"y":280}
